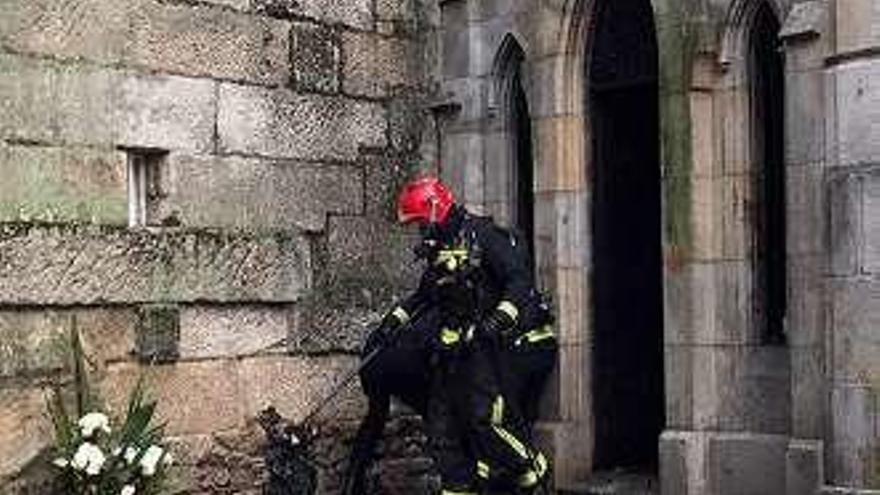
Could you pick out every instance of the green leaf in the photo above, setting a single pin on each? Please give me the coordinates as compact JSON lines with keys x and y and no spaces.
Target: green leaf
{"x":64,"y":427}
{"x":84,"y":399}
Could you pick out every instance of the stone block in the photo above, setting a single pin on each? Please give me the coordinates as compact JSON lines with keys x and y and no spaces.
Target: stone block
{"x":559,"y":154}
{"x":384,"y":175}
{"x":570,"y":450}
{"x":24,"y":427}
{"x":163,"y":37}
{"x":37,"y":343}
{"x":374,"y":66}
{"x":679,"y":378}
{"x":484,"y":40}
{"x":492,"y":9}
{"x":467,"y":101}
{"x":374,"y":255}
{"x":30,"y":100}
{"x":747,"y":464}
{"x":857,"y":99}
{"x":158,"y":333}
{"x":295,"y":386}
{"x":87,"y":29}
{"x":805,"y":463}
{"x":742,"y":388}
{"x":706,"y":222}
{"x":853,"y":453}
{"x":572,"y":229}
{"x":806,"y":19}
{"x":326,"y":327}
{"x":809,"y":392}
{"x":286,"y":125}
{"x":86,"y":265}
{"x":571,"y":299}
{"x":166,"y":112}
{"x":413,"y":131}
{"x":63,"y":184}
{"x":808,"y":306}
{"x":233,"y":4}
{"x":402,"y":16}
{"x":704,"y":145}
{"x":857,"y":25}
{"x":218,"y":331}
{"x":461,"y":152}
{"x":871,"y":226}
{"x":733,"y":117}
{"x":845,"y":193}
{"x":192,"y":397}
{"x":806,"y":54}
{"x":573,"y":392}
{"x":199,"y":41}
{"x":357,"y":14}
{"x":710,"y":303}
{"x":545,"y":29}
{"x":547,"y":97}
{"x":806,"y":210}
{"x":856,"y":318}
{"x":674,"y":459}
{"x":76,"y":104}
{"x":734,"y":209}
{"x":805,"y":118}
{"x":257,"y":194}
{"x":455,"y":39}
{"x":315,"y":58}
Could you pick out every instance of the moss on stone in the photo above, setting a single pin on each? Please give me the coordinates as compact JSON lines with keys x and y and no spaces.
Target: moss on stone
{"x":677,"y":40}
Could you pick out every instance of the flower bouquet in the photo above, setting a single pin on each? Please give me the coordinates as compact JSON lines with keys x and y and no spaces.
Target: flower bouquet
{"x":93,"y":456}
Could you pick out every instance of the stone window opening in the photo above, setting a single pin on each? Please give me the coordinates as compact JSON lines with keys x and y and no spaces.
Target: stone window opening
{"x":513,"y":175}
{"x":145,"y":167}
{"x":765,"y":72}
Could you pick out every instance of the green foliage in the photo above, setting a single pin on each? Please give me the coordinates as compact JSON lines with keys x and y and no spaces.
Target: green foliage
{"x":92,"y":457}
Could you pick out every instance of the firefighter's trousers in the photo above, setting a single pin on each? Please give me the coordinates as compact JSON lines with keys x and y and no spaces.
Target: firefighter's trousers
{"x":483,"y":402}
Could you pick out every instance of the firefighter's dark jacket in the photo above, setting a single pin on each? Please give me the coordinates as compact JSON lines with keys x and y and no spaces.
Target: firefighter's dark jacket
{"x":476,"y":268}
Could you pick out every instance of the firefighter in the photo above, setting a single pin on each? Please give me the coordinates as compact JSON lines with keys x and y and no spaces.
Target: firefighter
{"x":494,"y":343}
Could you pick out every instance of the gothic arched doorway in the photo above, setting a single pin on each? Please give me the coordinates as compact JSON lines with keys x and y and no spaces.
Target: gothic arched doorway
{"x":626,"y":227}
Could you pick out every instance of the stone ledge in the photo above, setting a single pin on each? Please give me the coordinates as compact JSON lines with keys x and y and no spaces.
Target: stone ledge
{"x":75,"y":264}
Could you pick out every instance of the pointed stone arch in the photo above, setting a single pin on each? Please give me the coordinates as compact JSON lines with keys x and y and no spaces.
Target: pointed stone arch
{"x":510,"y":180}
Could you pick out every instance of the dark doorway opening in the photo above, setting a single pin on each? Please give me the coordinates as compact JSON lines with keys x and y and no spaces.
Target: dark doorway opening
{"x":523,"y":173}
{"x":766,"y":77}
{"x":626,"y":222}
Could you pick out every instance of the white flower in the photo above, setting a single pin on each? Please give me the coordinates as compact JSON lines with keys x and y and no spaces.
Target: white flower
{"x":89,"y":458}
{"x":94,"y":421}
{"x":131,"y":454}
{"x":61,"y":462}
{"x":127,"y":490}
{"x":150,"y":459}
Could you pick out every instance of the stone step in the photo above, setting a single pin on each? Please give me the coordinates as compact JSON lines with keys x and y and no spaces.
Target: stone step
{"x":617,"y":483}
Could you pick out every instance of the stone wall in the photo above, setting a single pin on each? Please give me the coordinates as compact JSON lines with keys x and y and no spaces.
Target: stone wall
{"x":853,"y":280}
{"x":275,"y":133}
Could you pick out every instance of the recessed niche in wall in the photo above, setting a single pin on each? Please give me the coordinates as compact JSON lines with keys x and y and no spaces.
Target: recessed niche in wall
{"x":145,"y":166}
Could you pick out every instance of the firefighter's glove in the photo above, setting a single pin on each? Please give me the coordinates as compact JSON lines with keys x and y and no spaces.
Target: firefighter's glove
{"x":498,"y":324}
{"x":388,"y":331}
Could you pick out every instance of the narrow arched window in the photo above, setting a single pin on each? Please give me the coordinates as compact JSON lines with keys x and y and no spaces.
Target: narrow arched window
{"x":767,"y":84}
{"x":517,"y":192}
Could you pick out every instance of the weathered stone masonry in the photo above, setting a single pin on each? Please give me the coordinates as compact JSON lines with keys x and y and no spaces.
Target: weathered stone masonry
{"x":279,"y":128}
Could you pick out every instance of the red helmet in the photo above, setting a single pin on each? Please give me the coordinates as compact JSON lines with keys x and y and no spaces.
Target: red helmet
{"x":424,"y":200}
